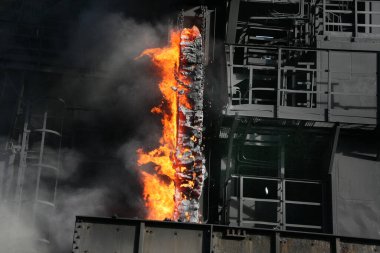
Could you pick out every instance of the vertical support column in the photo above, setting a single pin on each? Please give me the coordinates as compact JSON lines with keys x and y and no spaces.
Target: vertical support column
{"x":378,"y":105}
{"x":283,"y":184}
{"x":250,"y":85}
{"x":276,"y":245}
{"x":334,"y":146}
{"x":229,"y":167}
{"x":335,"y":245}
{"x":281,"y":214}
{"x":235,"y":125}
{"x":230,"y":69}
{"x":324,"y":210}
{"x":367,"y":15}
{"x":355,"y":13}
{"x":324,"y":17}
{"x":378,"y":89}
{"x":333,"y":181}
{"x":308,"y":86}
{"x":211,"y":234}
{"x":240,"y":201}
{"x":232,"y":21}
{"x":277,"y":106}
{"x":141,"y":237}
{"x":294,"y":87}
{"x":329,"y":89}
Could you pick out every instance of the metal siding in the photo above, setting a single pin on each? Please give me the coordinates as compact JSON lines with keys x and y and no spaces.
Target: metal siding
{"x":375,"y":18}
{"x":351,"y":73}
{"x":232,"y":21}
{"x":101,"y":238}
{"x":252,"y":243}
{"x":358,"y":197}
{"x":99,"y":235}
{"x":295,"y":245}
{"x":357,"y":248}
{"x":169,"y":240}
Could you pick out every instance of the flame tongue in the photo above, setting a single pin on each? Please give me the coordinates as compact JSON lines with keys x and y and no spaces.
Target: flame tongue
{"x":180,"y":154}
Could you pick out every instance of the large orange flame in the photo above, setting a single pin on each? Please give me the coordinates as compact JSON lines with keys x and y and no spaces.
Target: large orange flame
{"x":158,"y":194}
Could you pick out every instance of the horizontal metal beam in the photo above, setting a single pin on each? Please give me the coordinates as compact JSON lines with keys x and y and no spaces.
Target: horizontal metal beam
{"x":95,"y":235}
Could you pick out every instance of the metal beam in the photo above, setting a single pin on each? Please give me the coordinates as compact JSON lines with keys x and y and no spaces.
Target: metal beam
{"x":170,"y":237}
{"x":333,"y":180}
{"x":334,"y":147}
{"x":232,"y":20}
{"x":235,"y":125}
{"x":141,"y":237}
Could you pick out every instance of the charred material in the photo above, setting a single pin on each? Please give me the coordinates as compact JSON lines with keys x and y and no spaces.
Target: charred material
{"x":189,"y":157}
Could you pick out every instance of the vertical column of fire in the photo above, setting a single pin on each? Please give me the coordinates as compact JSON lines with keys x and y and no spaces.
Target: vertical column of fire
{"x":173,"y":189}
{"x":189,"y":158}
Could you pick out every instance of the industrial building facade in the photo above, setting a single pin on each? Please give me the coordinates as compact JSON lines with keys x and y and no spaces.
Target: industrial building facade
{"x":291,"y":131}
{"x":300,"y":122}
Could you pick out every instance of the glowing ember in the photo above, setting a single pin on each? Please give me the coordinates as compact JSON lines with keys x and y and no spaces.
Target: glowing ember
{"x":180,"y":154}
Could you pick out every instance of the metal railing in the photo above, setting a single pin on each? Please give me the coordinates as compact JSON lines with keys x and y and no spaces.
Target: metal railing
{"x":354,"y":18}
{"x":303,"y":84}
{"x":235,"y":192}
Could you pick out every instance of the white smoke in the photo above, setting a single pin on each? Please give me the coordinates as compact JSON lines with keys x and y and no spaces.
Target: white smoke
{"x":16,"y":235}
{"x":89,"y":202}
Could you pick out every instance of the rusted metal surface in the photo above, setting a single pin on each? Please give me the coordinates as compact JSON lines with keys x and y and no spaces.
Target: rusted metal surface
{"x":90,"y":237}
{"x":360,"y":248}
{"x":251,"y":243}
{"x":99,"y":235}
{"x":296,"y":245}
{"x":171,"y":240}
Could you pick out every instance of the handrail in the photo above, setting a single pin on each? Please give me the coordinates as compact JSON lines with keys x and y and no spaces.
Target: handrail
{"x":320,"y":92}
{"x":352,"y":11}
{"x":280,"y":200}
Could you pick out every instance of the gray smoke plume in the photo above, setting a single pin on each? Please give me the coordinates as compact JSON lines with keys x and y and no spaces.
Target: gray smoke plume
{"x":121,"y":99}
{"x":98,"y":174}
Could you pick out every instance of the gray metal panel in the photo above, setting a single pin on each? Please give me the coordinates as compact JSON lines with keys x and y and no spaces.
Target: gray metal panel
{"x":251,"y":243}
{"x":356,"y":180}
{"x":351,"y":73}
{"x":101,"y":238}
{"x":169,"y":240}
{"x":346,"y":43}
{"x":295,"y":245}
{"x":232,"y":21}
{"x":103,"y":235}
{"x":375,"y":18}
{"x":356,"y":247}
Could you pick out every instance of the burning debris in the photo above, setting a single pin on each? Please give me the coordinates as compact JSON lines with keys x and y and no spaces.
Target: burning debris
{"x":189,"y":158}
{"x":180,"y":156}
